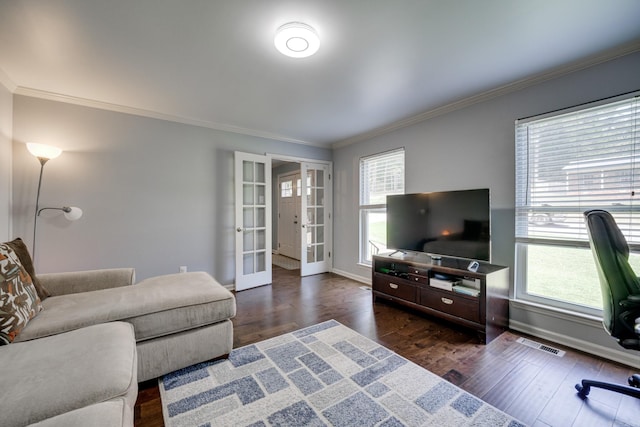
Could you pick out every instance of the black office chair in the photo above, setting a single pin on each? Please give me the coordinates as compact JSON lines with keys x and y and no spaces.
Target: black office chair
{"x":620,"y":289}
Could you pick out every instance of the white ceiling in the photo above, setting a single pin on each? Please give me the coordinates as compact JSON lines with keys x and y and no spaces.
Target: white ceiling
{"x":380,"y":62}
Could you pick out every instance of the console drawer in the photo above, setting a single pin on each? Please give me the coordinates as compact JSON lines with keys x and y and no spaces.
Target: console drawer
{"x":395,"y":288}
{"x":450,"y":303}
{"x":419,"y":279}
{"x":418,"y":271}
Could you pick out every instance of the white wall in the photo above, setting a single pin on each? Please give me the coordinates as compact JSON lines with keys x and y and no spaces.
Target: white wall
{"x":156,"y":195}
{"x":474,"y":148}
{"x":6,"y":135}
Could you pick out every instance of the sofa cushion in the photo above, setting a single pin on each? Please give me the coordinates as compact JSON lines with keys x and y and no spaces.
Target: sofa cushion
{"x":19,"y":301}
{"x":106,"y":414}
{"x":21,"y":250}
{"x":58,"y":374}
{"x":156,"y":307}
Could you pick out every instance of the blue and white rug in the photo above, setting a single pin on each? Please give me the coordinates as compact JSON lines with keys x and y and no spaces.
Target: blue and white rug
{"x":323,"y":375}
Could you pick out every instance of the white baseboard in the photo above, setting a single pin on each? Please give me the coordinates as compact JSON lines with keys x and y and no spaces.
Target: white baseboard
{"x":587,"y":347}
{"x":365,"y":280}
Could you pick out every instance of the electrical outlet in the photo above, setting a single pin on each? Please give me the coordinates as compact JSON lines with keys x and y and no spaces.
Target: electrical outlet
{"x":183,"y":269}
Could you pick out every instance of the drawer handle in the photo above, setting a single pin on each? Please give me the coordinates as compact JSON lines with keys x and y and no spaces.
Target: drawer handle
{"x":393,"y":286}
{"x":447,"y":300}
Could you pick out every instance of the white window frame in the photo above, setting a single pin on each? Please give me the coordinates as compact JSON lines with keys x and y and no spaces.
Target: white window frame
{"x":286,"y":189}
{"x":532,"y":196}
{"x":366,"y":206}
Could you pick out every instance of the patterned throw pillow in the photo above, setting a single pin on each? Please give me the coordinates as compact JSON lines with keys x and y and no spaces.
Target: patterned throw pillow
{"x":22,"y":252}
{"x":19,"y":301}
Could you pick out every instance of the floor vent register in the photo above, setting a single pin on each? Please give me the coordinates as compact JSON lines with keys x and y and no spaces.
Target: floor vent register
{"x":541,"y":347}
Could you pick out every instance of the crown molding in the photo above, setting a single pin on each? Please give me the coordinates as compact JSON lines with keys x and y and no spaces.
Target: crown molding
{"x":609,"y":55}
{"x":7,"y":82}
{"x":591,"y":61}
{"x":84,"y":102}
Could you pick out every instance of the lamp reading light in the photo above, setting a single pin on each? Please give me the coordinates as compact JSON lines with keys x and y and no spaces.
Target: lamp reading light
{"x":72,"y":213}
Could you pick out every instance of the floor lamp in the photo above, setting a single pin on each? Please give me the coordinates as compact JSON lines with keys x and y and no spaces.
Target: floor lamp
{"x":44,"y":153}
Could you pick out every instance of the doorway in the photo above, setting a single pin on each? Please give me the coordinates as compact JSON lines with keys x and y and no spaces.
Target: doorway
{"x":301,"y":215}
{"x":254,"y":205}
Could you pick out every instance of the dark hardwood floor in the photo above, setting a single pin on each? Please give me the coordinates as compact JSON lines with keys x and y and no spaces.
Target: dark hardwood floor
{"x":532,"y":385}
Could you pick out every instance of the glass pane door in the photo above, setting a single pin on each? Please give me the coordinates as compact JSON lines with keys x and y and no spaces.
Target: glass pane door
{"x":316,"y":217}
{"x":253,"y":219}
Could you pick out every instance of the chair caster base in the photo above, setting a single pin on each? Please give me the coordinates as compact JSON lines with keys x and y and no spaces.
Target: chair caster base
{"x":584,"y":387}
{"x":583,"y":391}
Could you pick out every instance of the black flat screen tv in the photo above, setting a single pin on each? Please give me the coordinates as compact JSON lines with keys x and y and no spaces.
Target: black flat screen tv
{"x":447,"y":223}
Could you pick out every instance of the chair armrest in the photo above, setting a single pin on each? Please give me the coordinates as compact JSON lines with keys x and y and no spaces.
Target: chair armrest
{"x":632,"y":301}
{"x":85,"y":281}
{"x":633,"y":298}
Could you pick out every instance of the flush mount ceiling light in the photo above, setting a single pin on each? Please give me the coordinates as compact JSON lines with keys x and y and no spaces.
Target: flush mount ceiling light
{"x":297,"y":40}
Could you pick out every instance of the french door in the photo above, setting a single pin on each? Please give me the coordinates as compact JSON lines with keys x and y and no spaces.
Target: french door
{"x":316,"y":218}
{"x":253,"y":220}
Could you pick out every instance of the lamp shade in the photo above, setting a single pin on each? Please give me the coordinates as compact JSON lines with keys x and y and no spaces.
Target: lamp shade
{"x":43,"y":151}
{"x":72,"y":213}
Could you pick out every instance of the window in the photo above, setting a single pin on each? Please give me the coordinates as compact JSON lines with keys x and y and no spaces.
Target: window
{"x":568,"y":162}
{"x":286,"y":189}
{"x":380,"y":175}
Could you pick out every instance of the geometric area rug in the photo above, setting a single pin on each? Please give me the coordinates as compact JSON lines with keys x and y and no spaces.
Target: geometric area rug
{"x":322,"y":375}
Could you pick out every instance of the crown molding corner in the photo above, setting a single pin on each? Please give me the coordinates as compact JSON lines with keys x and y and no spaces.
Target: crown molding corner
{"x":6,"y":81}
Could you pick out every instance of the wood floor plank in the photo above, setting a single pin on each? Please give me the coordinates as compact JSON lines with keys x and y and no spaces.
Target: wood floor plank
{"x":629,"y":410}
{"x":519,"y":380}
{"x":512,"y":385}
{"x":565,"y":405}
{"x":542,"y":388}
{"x":594,"y":413}
{"x":490,"y":374}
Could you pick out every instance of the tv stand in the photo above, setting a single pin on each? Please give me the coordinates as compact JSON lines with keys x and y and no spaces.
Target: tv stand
{"x":446,"y":289}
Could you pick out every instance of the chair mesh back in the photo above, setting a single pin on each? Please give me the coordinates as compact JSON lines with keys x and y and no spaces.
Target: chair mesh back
{"x":617,"y":278}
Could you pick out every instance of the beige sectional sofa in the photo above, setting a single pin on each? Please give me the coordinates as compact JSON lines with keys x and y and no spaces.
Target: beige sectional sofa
{"x":179,"y":319}
{"x":85,"y":377}
{"x":78,"y":362}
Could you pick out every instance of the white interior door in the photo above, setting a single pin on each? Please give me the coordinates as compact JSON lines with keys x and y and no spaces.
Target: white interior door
{"x":316,"y":218}
{"x":253,"y":220}
{"x":289,"y":215}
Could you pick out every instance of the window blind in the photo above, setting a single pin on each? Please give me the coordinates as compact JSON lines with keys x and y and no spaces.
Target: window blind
{"x":576,"y":160}
{"x":380,"y":175}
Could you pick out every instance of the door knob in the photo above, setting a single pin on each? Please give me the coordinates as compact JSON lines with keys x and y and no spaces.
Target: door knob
{"x":238,"y":229}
